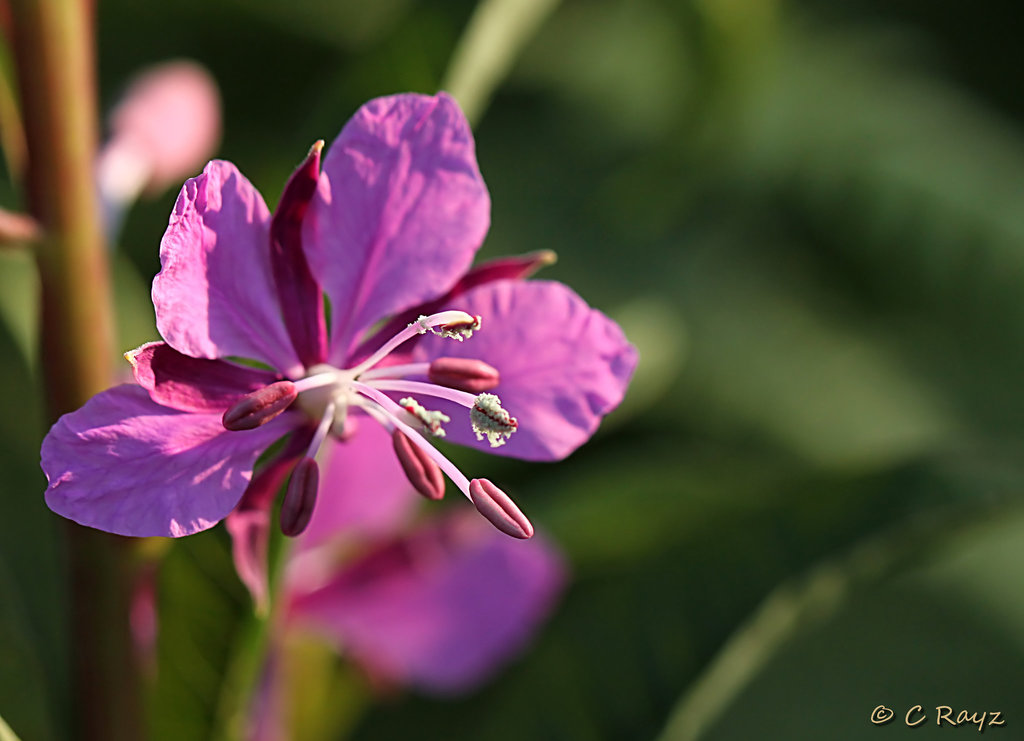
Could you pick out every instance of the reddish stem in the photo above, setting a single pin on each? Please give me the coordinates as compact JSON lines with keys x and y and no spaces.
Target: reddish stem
{"x":56,"y":68}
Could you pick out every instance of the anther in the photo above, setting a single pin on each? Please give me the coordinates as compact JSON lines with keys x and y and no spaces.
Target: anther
{"x":432,"y":421}
{"x":490,"y":420}
{"x":260,"y":406}
{"x":460,"y":331}
{"x":499,"y":509}
{"x":424,"y":475}
{"x":300,"y":498}
{"x":465,"y":374}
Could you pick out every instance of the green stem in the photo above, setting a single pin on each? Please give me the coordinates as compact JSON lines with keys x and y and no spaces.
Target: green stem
{"x":252,"y":650}
{"x":489,"y":47}
{"x":54,"y":54}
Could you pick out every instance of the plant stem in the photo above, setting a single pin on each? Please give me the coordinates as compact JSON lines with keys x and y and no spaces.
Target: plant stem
{"x":55,"y":59}
{"x":489,"y":47}
{"x":252,"y":650}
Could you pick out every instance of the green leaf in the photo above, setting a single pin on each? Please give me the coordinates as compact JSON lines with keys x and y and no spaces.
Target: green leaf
{"x":799,"y":606}
{"x":24,"y":694}
{"x":202,"y":609}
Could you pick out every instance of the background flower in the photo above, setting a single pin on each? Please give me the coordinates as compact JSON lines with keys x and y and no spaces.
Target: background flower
{"x":439,"y":604}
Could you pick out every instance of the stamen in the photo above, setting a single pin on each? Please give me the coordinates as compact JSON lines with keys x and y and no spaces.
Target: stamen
{"x":499,"y":509}
{"x":317,"y":380}
{"x":387,"y":406}
{"x":424,"y":475}
{"x":459,"y":323}
{"x":431,"y":420}
{"x":419,"y":387}
{"x":300,"y":498}
{"x":402,"y":370}
{"x":490,"y":420}
{"x":259,"y":407}
{"x":465,"y":374}
{"x":321,"y":431}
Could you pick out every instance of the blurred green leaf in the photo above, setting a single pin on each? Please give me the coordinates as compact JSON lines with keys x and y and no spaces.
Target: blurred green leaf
{"x":913,"y":639}
{"x":136,"y":321}
{"x":6,"y":734}
{"x":773,"y":349}
{"x":202,"y":607}
{"x":920,"y":178}
{"x":19,"y":296}
{"x":350,"y":24}
{"x":23,"y":688}
{"x":33,"y":602}
{"x":626,"y":62}
{"x":798,"y":606}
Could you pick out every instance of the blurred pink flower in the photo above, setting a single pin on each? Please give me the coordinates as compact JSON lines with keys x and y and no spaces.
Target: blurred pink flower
{"x":166,"y":125}
{"x":438,"y":606}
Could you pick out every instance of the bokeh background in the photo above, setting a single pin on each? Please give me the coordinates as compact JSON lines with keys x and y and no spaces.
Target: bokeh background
{"x":809,"y":219}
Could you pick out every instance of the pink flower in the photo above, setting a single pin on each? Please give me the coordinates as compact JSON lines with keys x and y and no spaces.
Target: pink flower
{"x":387,"y":229}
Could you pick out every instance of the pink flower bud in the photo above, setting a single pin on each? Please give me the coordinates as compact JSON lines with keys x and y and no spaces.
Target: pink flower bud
{"x":164,"y":129}
{"x":499,"y":509}
{"x":259,"y":407}
{"x":423,"y":473}
{"x":465,"y":374}
{"x":300,"y":498}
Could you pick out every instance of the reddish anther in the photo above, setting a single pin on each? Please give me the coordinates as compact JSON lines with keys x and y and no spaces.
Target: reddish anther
{"x":465,"y":374}
{"x":424,"y":475}
{"x":499,"y":509}
{"x":300,"y":498}
{"x":260,"y":406}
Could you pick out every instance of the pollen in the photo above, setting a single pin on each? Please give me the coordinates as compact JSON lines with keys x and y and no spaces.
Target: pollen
{"x":490,"y":420}
{"x":431,"y":420}
{"x":458,"y":330}
{"x":421,"y":324}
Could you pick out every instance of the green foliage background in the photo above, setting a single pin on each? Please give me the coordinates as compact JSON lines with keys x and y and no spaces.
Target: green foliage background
{"x":807,"y":217}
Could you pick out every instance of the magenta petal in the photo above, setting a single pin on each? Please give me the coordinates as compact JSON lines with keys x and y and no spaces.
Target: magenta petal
{"x":563,"y":365}
{"x":215,"y":294}
{"x":300,"y":295}
{"x":363,"y":491}
{"x":400,"y":210}
{"x":517,"y":267}
{"x":125,"y":464}
{"x":442,"y":609}
{"x":192,"y":384}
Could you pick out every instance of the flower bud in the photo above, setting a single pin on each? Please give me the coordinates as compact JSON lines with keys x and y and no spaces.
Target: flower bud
{"x":167,"y":123}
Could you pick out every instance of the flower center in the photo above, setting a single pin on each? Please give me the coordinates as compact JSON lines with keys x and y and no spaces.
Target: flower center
{"x":326,"y":394}
{"x":326,"y":387}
